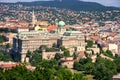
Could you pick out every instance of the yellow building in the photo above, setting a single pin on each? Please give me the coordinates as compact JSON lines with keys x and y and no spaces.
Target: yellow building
{"x":38,"y":28}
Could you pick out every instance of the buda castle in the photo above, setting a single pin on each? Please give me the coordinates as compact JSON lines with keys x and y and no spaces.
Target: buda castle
{"x":30,"y":40}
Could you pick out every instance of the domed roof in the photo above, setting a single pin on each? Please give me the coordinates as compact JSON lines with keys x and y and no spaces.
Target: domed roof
{"x":37,"y":28}
{"x":61,"y":23}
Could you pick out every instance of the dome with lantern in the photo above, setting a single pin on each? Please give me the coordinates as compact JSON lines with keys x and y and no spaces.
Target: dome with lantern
{"x":61,"y":24}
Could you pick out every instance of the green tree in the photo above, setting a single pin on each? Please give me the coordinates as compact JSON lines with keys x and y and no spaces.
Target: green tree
{"x":50,"y":50}
{"x":78,"y":66}
{"x":66,"y":74}
{"x":66,"y":53}
{"x":62,"y":48}
{"x":89,"y":68}
{"x":108,"y":53}
{"x":58,"y":56}
{"x":78,"y":76}
{"x":42,"y":47}
{"x":117,"y":62}
{"x":8,"y":45}
{"x":104,"y":69}
{"x":85,"y":60}
{"x":29,"y":54}
{"x":54,"y":45}
{"x":1,"y":39}
{"x":75,"y":55}
{"x":89,"y":43}
{"x":35,"y":59}
{"x":5,"y":56}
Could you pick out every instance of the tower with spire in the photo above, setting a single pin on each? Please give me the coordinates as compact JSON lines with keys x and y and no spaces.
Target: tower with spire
{"x":33,"y":18}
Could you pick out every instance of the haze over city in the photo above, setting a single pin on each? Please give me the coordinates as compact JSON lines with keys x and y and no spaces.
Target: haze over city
{"x":115,"y":3}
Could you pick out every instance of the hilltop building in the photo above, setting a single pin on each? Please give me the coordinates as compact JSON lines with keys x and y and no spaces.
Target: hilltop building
{"x":72,"y":39}
{"x":32,"y":40}
{"x":27,"y":40}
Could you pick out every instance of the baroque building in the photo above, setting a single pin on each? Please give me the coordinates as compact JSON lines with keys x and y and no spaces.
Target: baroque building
{"x":26,"y":41}
{"x":72,"y":39}
{"x":32,"y":40}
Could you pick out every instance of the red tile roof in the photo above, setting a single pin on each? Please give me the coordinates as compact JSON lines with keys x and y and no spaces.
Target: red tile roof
{"x":95,"y":37}
{"x":8,"y":66}
{"x":24,"y":27}
{"x":52,"y":27}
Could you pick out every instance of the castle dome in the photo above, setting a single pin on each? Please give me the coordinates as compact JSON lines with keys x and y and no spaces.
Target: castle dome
{"x":61,"y":23}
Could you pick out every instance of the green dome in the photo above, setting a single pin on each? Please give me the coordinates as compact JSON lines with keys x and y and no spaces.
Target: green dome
{"x":61,"y":24}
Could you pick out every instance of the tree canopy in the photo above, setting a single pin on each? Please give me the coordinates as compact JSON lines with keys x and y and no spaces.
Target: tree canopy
{"x":89,"y":43}
{"x":44,"y":73}
{"x":5,"y":56}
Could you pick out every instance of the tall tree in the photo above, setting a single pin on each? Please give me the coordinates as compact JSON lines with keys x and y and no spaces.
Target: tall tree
{"x":66,"y":53}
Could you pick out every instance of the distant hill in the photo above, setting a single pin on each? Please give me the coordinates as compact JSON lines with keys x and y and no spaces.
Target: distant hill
{"x":76,"y":5}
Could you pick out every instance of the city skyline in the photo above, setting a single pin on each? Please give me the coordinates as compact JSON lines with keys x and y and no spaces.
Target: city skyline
{"x":103,"y":2}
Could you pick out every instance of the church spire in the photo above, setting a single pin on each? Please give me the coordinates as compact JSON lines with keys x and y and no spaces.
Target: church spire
{"x":33,"y":18}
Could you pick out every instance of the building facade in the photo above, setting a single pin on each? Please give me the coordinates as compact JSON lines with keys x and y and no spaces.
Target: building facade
{"x":32,"y":40}
{"x":50,"y":55}
{"x":67,"y":62}
{"x":72,"y":39}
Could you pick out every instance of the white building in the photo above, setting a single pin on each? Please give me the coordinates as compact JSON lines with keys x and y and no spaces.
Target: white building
{"x":116,"y":77}
{"x":113,"y":47}
{"x":21,"y":29}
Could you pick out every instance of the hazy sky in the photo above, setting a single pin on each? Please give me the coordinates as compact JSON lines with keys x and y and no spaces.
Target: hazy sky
{"x":104,"y":2}
{"x":107,"y":2}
